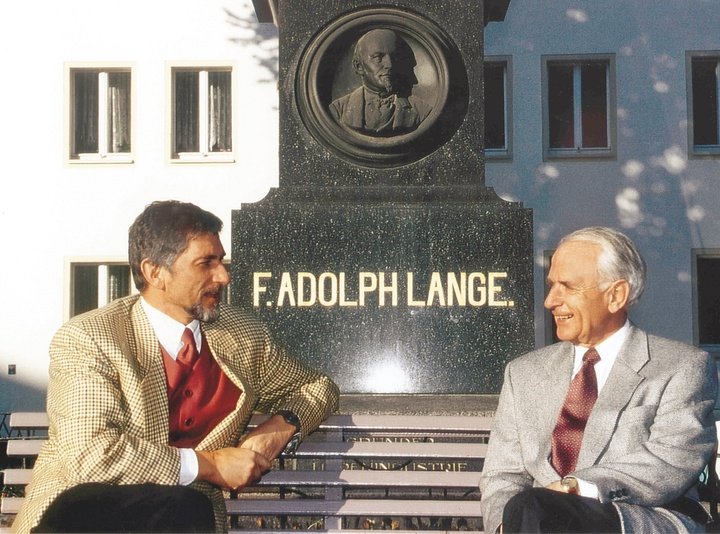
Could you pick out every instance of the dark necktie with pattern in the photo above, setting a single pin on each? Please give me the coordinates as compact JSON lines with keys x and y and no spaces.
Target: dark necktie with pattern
{"x":188,"y":354}
{"x":579,"y":401}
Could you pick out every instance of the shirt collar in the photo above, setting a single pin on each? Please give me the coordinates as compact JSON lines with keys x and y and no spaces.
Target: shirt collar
{"x":610,"y":347}
{"x":169,"y":331}
{"x":375,"y":95}
{"x":608,"y":350}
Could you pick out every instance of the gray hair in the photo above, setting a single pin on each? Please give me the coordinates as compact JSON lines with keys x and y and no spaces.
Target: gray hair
{"x":162,"y":232}
{"x":619,"y":258}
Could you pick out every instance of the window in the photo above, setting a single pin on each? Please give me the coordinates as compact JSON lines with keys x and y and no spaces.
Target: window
{"x":497,"y":107}
{"x":202,"y":114}
{"x":579,"y":106}
{"x":100,"y":114}
{"x":96,"y":283}
{"x":703,"y":78}
{"x":706,"y":278}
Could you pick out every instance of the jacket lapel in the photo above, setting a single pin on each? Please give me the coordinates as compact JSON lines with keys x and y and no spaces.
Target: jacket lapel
{"x":622,"y":382}
{"x":552,"y":383}
{"x":153,"y":385}
{"x":354,"y":114}
{"x":222,"y":346}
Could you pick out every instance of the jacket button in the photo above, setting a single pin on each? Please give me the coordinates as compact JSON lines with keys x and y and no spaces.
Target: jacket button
{"x":611,"y":495}
{"x":188,"y":393}
{"x":189,"y":421}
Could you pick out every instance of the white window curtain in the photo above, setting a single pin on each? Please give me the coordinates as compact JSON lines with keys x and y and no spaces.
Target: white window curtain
{"x":220,"y":111}
{"x":119,"y":112}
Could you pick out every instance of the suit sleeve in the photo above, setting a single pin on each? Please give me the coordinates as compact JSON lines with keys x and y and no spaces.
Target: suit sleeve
{"x":87,"y":409}
{"x":666,"y":445}
{"x":283,"y":383}
{"x":504,"y":474}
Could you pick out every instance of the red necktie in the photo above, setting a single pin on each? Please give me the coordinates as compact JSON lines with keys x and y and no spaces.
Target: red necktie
{"x":579,"y":401}
{"x":188,"y":354}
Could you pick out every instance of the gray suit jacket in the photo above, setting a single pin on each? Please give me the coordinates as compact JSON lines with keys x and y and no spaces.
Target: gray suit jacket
{"x":648,"y":437}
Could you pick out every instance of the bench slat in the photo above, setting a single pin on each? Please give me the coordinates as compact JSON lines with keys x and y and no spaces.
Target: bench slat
{"x":10,"y":505}
{"x":16,"y":477}
{"x":346,"y":507}
{"x":28,"y":420}
{"x":359,"y":478}
{"x":356,"y":449}
{"x":342,"y":531}
{"x":368,"y":449}
{"x":410,"y":423}
{"x":473,"y":424}
{"x":344,"y":478}
{"x":355,"y":507}
{"x":24,"y":447}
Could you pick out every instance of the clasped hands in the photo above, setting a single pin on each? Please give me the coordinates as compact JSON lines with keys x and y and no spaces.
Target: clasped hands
{"x":232,"y":468}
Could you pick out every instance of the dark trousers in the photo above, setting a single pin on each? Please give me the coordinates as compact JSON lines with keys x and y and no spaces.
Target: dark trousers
{"x":544,"y":510}
{"x":95,"y":507}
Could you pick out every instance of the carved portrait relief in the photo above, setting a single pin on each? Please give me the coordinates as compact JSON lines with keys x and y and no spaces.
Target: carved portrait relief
{"x":381,"y":87}
{"x":384,"y":104}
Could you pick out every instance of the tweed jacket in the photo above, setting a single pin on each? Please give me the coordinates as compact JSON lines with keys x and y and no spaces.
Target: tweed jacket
{"x":648,"y":437}
{"x":108,"y":408}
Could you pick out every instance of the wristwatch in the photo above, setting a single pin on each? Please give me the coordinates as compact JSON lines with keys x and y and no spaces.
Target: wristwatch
{"x":570,"y":485}
{"x":291,"y":419}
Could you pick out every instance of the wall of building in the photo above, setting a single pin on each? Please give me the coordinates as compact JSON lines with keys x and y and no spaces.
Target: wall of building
{"x":50,"y":210}
{"x":666,"y":201}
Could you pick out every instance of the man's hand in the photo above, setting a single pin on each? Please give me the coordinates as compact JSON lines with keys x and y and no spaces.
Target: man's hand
{"x":269,"y":439}
{"x":231,"y":468}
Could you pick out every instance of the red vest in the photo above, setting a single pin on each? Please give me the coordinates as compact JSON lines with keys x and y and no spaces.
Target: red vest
{"x":199,"y":400}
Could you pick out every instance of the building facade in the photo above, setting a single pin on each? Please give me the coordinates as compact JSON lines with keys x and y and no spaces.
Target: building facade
{"x":596,"y":113}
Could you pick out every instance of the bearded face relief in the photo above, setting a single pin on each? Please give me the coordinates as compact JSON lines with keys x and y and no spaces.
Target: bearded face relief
{"x":384,"y":104}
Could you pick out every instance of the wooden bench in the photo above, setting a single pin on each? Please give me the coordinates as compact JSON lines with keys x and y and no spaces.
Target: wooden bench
{"x":354,"y":472}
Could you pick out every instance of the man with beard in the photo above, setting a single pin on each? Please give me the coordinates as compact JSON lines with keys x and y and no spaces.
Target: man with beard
{"x":149,"y":397}
{"x":383,"y":105}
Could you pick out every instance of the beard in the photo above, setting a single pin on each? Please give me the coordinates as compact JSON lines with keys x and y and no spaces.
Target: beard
{"x":206,"y":314}
{"x":387,"y":82}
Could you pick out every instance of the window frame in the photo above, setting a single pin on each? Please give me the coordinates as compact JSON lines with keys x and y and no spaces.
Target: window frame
{"x":696,"y":254}
{"x":102,"y":156}
{"x":103,"y":263}
{"x":204,"y":155}
{"x":700,"y":151}
{"x":609,"y":152}
{"x":506,"y":153}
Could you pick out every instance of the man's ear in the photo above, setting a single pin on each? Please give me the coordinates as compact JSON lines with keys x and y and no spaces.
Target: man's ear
{"x":619,"y":292}
{"x":357,"y":67}
{"x":154,"y":274}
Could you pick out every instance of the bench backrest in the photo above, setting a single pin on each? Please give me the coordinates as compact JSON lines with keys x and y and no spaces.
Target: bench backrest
{"x":358,"y":469}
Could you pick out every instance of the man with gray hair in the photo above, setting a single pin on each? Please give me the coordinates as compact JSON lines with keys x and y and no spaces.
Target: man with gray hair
{"x":609,"y":429}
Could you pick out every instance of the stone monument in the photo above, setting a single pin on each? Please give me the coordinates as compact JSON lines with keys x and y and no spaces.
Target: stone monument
{"x":382,"y":258}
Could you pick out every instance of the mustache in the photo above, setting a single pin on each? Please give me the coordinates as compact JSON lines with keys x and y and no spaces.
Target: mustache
{"x":214,"y":292}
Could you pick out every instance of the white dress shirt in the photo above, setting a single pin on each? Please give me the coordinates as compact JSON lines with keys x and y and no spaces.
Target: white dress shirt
{"x":608,"y":351}
{"x":169,"y":333}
